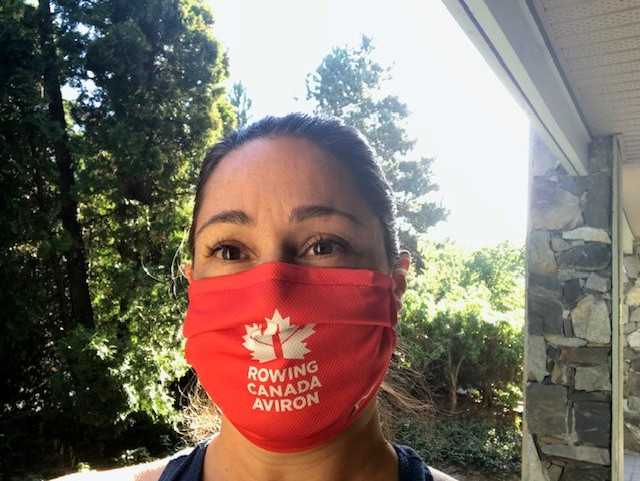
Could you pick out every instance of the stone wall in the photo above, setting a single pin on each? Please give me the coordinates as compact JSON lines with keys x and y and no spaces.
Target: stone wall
{"x":631,"y":330}
{"x":568,"y":353}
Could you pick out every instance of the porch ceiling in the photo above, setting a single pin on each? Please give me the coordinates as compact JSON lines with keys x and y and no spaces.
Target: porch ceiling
{"x":597,"y":46}
{"x":574,"y":67}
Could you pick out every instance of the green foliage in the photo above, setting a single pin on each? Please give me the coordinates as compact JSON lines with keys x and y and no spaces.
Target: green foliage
{"x":454,"y":327}
{"x":241,"y":104}
{"x":349,"y":84}
{"x":444,"y":265}
{"x":491,"y":446}
{"x":147,"y":76}
{"x":153,"y":105}
{"x":501,"y":270}
{"x":135,"y":456}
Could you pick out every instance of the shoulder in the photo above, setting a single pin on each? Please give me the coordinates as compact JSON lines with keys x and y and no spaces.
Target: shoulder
{"x":440,"y":476}
{"x":412,"y":468}
{"x":141,"y":472}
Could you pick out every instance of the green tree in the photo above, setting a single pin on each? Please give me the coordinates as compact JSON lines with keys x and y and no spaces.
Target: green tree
{"x":33,"y":280}
{"x":498,"y":372}
{"x":77,"y":284}
{"x":150,"y":103}
{"x":241,"y":104}
{"x":98,"y":190}
{"x":349,"y":84}
{"x":452,"y":335}
{"x":444,"y":267}
{"x":457,"y":330}
{"x":501,"y":269}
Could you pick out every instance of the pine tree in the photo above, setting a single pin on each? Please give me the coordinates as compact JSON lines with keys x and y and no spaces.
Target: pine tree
{"x":95,"y":198}
{"x":348,"y":84}
{"x":241,"y":103}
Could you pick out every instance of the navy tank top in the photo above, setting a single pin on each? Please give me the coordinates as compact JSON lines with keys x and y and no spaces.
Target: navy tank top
{"x":188,"y":466}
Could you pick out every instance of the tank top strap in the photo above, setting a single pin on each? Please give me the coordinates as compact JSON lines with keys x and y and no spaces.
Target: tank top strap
{"x":410,"y":466}
{"x":186,"y":466}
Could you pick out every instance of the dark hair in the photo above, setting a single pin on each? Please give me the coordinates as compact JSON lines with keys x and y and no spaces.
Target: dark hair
{"x":343,"y":143}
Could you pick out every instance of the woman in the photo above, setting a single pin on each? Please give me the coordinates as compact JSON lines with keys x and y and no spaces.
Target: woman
{"x":295,"y":284}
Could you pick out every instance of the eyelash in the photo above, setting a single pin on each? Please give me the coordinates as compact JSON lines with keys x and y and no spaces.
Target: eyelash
{"x":211,"y":250}
{"x":343,"y":245}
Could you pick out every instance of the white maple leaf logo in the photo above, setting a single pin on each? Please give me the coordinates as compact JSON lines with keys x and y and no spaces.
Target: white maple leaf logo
{"x":279,"y":339}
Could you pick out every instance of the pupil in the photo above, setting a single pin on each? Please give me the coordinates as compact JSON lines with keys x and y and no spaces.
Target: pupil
{"x":230,"y":253}
{"x":322,"y":248}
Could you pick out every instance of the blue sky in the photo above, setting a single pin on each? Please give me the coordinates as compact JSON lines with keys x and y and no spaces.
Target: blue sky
{"x":460,"y":113}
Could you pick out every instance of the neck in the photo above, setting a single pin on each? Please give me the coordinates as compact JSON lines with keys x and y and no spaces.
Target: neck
{"x":360,"y":452}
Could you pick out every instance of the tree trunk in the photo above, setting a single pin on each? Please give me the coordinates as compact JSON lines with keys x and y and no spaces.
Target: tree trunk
{"x":75,"y":259}
{"x":453,"y":398}
{"x":453,"y":381}
{"x":487,"y":395}
{"x":54,"y":262}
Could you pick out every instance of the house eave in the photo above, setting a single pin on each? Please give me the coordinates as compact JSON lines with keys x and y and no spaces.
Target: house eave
{"x":507,"y":35}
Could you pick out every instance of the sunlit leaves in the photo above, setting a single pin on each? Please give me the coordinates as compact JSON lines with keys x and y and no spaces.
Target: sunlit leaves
{"x":462,"y":322}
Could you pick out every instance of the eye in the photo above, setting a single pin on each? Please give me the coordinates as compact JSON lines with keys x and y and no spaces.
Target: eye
{"x":325,"y":246}
{"x":226,"y":252}
{"x":322,"y":248}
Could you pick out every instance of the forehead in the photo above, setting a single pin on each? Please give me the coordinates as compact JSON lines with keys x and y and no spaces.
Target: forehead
{"x":290,"y":170}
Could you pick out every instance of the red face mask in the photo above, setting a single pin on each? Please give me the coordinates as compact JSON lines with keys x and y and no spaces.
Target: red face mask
{"x":291,"y":354}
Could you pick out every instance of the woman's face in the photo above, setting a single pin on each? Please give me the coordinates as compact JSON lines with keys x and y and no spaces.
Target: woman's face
{"x":284,"y":199}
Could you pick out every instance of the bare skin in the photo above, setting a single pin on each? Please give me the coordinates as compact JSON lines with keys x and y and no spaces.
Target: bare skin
{"x":360,"y":453}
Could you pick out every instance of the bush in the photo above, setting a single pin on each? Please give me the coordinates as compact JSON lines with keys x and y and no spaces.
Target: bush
{"x":462,"y":322}
{"x":493,"y":446}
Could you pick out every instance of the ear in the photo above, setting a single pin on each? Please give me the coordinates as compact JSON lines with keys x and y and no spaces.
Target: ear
{"x":399,"y":277}
{"x":188,"y":271}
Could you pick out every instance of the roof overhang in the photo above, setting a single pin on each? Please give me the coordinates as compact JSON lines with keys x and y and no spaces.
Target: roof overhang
{"x":507,"y":35}
{"x":510,"y":36}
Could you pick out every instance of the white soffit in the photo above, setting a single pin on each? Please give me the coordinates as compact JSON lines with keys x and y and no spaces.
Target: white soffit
{"x":574,"y":66}
{"x":506,"y":34}
{"x":597,"y":45}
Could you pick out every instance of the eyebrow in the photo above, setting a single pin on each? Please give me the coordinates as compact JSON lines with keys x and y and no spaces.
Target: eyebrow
{"x":227,"y":217}
{"x":299,"y":214}
{"x":305,"y":212}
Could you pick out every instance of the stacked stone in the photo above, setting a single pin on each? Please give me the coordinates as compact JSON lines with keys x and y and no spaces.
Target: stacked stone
{"x":631,"y":330}
{"x":568,"y":358}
